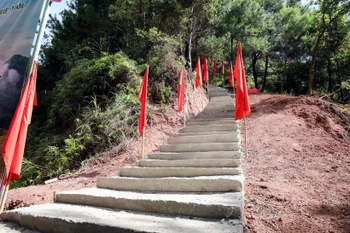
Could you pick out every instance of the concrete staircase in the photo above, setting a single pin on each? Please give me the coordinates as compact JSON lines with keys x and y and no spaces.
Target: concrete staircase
{"x":195,"y":184}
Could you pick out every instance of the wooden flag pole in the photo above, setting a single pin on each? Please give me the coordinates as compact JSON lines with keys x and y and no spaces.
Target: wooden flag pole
{"x":245,"y":136}
{"x":208,"y":88}
{"x":184,"y":108}
{"x":184,"y":115}
{"x":4,"y":197}
{"x":143,"y":144}
{"x":3,"y":187}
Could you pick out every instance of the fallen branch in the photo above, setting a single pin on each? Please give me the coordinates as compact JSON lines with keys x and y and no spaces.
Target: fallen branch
{"x":329,"y":95}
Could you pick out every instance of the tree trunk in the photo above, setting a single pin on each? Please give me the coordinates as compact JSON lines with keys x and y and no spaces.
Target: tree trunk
{"x":232,"y":48}
{"x":190,"y":38}
{"x":284,"y":78}
{"x":254,"y":60}
{"x":265,"y":73}
{"x":340,"y":81}
{"x":313,"y":60}
{"x":330,"y":83}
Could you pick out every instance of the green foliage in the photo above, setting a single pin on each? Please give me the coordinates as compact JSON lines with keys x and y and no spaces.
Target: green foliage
{"x":100,"y":77}
{"x":164,"y":62}
{"x":90,"y":69}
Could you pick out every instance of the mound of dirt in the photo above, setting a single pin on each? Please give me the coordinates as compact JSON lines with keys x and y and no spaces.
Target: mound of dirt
{"x":298,"y":166}
{"x":323,"y":114}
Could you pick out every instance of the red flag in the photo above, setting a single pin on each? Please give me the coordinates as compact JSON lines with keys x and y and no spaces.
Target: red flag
{"x":231,"y":77}
{"x":242,"y":108}
{"x":143,"y":99}
{"x":205,"y":68}
{"x":223,"y":67}
{"x":56,"y":0}
{"x":198,"y":73}
{"x":181,"y":90}
{"x":14,"y":144}
{"x":215,"y":69}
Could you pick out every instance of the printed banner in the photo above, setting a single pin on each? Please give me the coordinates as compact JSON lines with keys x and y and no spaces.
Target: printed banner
{"x":18,"y":23}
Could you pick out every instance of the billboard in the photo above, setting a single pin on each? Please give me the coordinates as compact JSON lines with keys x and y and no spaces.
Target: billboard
{"x":18,"y":24}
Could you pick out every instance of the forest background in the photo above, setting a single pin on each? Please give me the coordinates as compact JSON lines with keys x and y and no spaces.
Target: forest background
{"x":91,"y":68}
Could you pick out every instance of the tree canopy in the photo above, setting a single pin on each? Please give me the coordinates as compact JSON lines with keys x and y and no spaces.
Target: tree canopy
{"x":90,"y":68}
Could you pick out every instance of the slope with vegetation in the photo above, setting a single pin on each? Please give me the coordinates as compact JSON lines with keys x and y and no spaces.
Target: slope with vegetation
{"x":90,"y":70}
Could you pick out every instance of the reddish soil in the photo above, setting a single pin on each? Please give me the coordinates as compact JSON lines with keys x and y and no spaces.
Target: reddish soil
{"x":298,"y":166}
{"x":297,"y":172}
{"x":163,"y":123}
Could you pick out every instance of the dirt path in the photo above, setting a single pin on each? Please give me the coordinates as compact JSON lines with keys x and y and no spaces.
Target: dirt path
{"x":298,"y":169}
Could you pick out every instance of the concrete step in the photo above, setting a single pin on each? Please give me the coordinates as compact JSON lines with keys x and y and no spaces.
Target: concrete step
{"x":198,"y":155}
{"x":211,"y":122}
{"x":217,"y":93}
{"x":209,"y":128}
{"x":9,"y":227}
{"x":209,"y":138}
{"x":198,"y":147}
{"x":205,"y":133}
{"x":222,"y":205}
{"x":213,"y":119}
{"x":174,"y":184}
{"x":66,"y":218}
{"x":149,"y":172}
{"x":190,"y":163}
{"x":220,"y":106}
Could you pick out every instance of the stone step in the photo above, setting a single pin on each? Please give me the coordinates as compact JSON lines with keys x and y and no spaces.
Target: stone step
{"x":213,"y":119}
{"x":219,"y":105}
{"x":9,"y":227}
{"x":198,"y":147}
{"x":190,"y":163}
{"x":209,"y":138}
{"x":66,"y":218}
{"x":218,"y":206}
{"x":198,"y":155}
{"x":209,"y":128}
{"x":211,"y":122}
{"x":217,"y":93}
{"x":205,"y":133}
{"x":174,"y":184}
{"x":150,"y":172}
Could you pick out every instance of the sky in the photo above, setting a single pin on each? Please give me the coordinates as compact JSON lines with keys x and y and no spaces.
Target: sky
{"x":58,"y":7}
{"x":18,"y":26}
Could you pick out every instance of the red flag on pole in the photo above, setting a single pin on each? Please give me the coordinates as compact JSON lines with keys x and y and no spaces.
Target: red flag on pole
{"x":198,"y":73}
{"x":181,"y":90}
{"x":206,"y":71}
{"x":231,"y":77}
{"x":14,"y":144}
{"x":223,"y":67}
{"x":215,"y":69}
{"x":242,"y":108}
{"x":143,"y":99}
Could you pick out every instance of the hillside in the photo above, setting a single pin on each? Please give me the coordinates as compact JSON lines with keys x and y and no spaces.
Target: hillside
{"x":164,"y":123}
{"x":298,"y":169}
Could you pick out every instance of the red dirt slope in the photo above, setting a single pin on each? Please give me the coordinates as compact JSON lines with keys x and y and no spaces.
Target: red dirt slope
{"x":163,"y":123}
{"x":298,"y":167}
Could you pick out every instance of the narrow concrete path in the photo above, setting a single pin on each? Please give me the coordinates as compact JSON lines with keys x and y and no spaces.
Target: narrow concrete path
{"x":195,"y":184}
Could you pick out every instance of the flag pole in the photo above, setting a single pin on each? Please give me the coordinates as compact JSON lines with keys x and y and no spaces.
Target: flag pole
{"x":143,"y":144}
{"x":40,"y":34}
{"x":4,"y":197}
{"x":184,"y":108}
{"x":3,"y":186}
{"x":208,"y":88}
{"x":245,"y":136}
{"x":43,"y":21}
